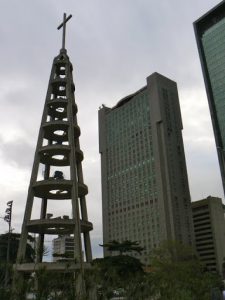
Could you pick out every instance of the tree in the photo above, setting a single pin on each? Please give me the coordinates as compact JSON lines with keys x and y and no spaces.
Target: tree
{"x":14,"y":245}
{"x":123,"y":247}
{"x":121,"y":272}
{"x":177,"y":273}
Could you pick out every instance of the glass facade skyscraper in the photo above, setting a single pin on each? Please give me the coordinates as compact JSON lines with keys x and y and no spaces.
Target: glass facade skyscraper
{"x":145,"y":194}
{"x":210,"y":35}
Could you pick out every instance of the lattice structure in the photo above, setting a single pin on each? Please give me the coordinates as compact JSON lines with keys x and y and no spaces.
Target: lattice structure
{"x":58,"y":146}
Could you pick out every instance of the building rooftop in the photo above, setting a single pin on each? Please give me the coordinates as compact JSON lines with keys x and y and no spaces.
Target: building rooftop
{"x":210,"y":17}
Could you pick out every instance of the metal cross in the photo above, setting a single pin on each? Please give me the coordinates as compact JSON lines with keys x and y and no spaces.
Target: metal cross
{"x":63,"y":24}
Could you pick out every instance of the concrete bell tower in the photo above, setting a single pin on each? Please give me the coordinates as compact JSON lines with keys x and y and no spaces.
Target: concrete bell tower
{"x":58,"y":147}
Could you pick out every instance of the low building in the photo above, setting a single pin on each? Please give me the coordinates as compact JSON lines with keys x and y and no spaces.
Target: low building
{"x":63,"y":245}
{"x":209,"y":229}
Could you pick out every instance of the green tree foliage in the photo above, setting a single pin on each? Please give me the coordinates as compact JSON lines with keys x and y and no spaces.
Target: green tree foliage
{"x":175,"y":274}
{"x":65,"y":257}
{"x":45,"y":285}
{"x":178,"y":274}
{"x":121,"y":271}
{"x":117,"y":273}
{"x":123,"y":247}
{"x":57,"y":287}
{"x":14,"y":245}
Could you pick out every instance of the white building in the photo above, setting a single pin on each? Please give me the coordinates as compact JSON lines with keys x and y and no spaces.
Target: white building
{"x":63,"y":245}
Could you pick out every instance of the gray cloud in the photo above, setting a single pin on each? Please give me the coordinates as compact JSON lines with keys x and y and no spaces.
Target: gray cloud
{"x":17,"y":152}
{"x":114,"y":46}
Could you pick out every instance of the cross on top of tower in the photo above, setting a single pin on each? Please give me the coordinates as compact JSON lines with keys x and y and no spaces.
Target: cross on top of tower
{"x":63,"y":24}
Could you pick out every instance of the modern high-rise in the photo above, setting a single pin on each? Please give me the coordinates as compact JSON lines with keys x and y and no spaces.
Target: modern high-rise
{"x":145,"y":192}
{"x":209,"y":229}
{"x":210,"y":36}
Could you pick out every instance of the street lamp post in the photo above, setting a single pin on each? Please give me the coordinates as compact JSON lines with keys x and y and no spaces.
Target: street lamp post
{"x":8,"y":218}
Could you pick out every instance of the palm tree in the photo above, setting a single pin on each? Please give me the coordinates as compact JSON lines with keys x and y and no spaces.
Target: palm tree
{"x":123,"y":247}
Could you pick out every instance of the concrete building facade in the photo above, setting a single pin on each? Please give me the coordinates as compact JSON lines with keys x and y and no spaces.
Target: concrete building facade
{"x":210,"y":36}
{"x":145,"y":192}
{"x":63,"y":245}
{"x":209,"y":229}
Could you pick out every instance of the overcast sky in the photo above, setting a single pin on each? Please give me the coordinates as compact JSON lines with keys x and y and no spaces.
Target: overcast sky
{"x":113,"y":45}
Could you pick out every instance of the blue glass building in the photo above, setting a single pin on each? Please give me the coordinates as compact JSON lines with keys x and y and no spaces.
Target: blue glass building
{"x":210,"y":36}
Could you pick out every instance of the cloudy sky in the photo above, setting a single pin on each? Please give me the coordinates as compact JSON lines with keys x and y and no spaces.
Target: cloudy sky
{"x":114,"y":45}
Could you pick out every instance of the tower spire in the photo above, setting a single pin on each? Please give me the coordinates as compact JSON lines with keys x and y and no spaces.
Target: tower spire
{"x":63,"y":24}
{"x":58,"y":153}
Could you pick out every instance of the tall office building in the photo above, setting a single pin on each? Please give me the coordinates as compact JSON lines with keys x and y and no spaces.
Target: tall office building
{"x":210,"y":36}
{"x":145,"y":193}
{"x":209,"y":228}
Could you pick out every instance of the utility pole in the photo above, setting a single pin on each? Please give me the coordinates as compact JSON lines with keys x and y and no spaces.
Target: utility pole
{"x":8,"y":218}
